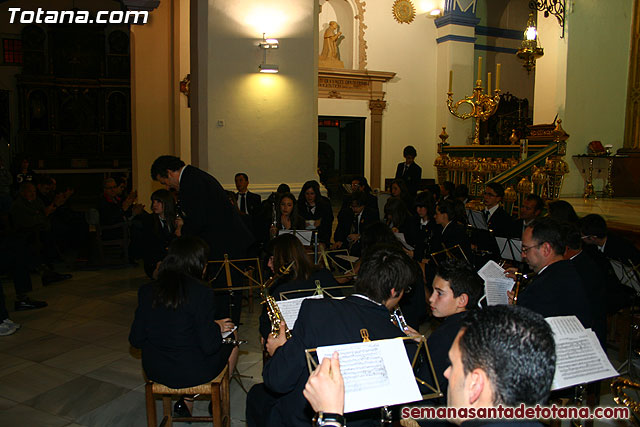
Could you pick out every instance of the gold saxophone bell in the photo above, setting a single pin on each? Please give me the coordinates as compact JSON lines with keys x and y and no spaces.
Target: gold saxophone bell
{"x":273,"y":311}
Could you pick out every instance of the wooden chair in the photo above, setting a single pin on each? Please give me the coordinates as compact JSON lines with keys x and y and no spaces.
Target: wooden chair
{"x":218,"y":389}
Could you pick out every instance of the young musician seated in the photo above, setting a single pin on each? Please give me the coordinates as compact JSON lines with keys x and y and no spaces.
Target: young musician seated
{"x":350,"y":227}
{"x":287,"y":250}
{"x":287,"y":217}
{"x":316,"y":211}
{"x":424,"y":226}
{"x":453,"y":232}
{"x":456,"y":289}
{"x":385,"y":274}
{"x":174,"y":324}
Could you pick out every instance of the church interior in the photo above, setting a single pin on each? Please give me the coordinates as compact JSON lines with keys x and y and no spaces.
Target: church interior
{"x":355,"y":82}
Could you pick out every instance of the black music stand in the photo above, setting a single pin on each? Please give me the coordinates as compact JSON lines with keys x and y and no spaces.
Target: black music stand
{"x":510,"y":248}
{"x":307,"y":238}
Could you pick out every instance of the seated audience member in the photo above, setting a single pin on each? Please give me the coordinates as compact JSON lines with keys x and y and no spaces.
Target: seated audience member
{"x":22,"y":173}
{"x":409,"y":171}
{"x":462,"y":193}
{"x":556,"y":289}
{"x":453,"y":232}
{"x":287,"y":217}
{"x":413,"y":303}
{"x":424,"y":226}
{"x":531,"y":208}
{"x":248,"y":202}
{"x":399,"y":190}
{"x":302,"y":275}
{"x":316,"y":211}
{"x":350,"y":227}
{"x":397,"y":216}
{"x":503,"y":355}
{"x":159,"y":229}
{"x":447,"y":190}
{"x":456,"y":289}
{"x":594,"y":233}
{"x":562,"y":211}
{"x":385,"y":274}
{"x":175,"y":325}
{"x":497,"y":218}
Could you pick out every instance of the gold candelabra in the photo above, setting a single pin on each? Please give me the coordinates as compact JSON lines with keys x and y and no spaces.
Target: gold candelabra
{"x":482,"y":105}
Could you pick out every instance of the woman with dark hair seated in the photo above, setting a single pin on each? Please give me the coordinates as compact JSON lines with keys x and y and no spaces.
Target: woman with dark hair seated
{"x":316,"y":211}
{"x":453,"y":232}
{"x":174,"y":324}
{"x":397,"y":216}
{"x":158,"y":230}
{"x":287,"y":216}
{"x":287,"y":250}
{"x":423,"y":225}
{"x":400,"y":190}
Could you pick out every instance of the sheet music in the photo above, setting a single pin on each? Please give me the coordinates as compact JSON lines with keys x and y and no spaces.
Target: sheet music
{"x":491,"y":270}
{"x":579,"y":357}
{"x":375,"y":374}
{"x":400,"y":237}
{"x":290,"y":309}
{"x":496,"y":290}
{"x":348,"y":258}
{"x":226,"y":334}
{"x":510,"y":248}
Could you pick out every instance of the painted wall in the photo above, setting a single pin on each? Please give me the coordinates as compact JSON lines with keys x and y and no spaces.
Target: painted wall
{"x":597,"y":63}
{"x":262,"y":124}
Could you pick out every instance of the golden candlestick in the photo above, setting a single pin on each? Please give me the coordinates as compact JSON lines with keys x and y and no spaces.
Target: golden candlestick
{"x":482,"y":105}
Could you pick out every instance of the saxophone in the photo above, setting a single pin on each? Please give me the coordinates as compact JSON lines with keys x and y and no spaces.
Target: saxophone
{"x":273,"y":311}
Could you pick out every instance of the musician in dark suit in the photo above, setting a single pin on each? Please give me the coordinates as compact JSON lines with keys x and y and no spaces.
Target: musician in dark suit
{"x":557,"y":289}
{"x":424,"y":226}
{"x":248,"y":202}
{"x":594,"y":231}
{"x":158,"y":229}
{"x":453,"y":232}
{"x":498,"y":219}
{"x":531,"y":208}
{"x":350,"y":227}
{"x":208,"y":214}
{"x":316,"y":211}
{"x":385,"y":274}
{"x":409,"y":171}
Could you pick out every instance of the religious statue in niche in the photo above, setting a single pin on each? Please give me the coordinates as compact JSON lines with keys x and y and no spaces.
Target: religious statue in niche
{"x":329,"y":57}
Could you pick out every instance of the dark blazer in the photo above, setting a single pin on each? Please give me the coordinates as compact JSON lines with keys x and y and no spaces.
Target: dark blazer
{"x":371,"y":204}
{"x":210,"y":216}
{"x":346,"y":226}
{"x":593,"y":279}
{"x":321,"y":322}
{"x":323,"y":275}
{"x":412,"y":177}
{"x":439,"y":343}
{"x":253,"y":202}
{"x":455,"y":234}
{"x":501,"y":223}
{"x":621,"y":249}
{"x":323,"y":212}
{"x":155,"y":242}
{"x":183,"y":347}
{"x":558,"y":291}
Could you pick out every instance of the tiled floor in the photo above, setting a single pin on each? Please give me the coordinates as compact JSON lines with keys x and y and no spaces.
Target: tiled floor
{"x":71,"y":364}
{"x":617,"y":210}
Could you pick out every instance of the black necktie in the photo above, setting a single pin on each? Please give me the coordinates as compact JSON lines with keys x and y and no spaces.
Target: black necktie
{"x":243,"y":203}
{"x":406,"y":167}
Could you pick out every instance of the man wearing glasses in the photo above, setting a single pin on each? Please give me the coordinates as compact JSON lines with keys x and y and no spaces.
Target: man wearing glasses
{"x":497,"y":218}
{"x":556,"y":289}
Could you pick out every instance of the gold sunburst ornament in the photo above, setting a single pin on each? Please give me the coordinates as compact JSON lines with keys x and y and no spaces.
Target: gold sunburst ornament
{"x":403,"y":11}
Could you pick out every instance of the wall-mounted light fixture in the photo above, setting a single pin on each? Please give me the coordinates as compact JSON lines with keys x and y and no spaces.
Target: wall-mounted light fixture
{"x":551,"y":7}
{"x":266,"y":45}
{"x":529,"y":51}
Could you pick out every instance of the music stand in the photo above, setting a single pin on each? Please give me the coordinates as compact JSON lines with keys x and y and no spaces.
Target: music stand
{"x":318,"y":290}
{"x":422,"y":346}
{"x":335,"y":260}
{"x":307,"y":238}
{"x":477,"y":219}
{"x":627,"y":274}
{"x":454,"y":252}
{"x":510,"y":248}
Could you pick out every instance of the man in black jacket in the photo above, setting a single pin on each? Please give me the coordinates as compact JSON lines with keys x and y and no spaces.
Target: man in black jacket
{"x":557,"y":289}
{"x":409,"y":171}
{"x":352,"y":223}
{"x":385,"y":274}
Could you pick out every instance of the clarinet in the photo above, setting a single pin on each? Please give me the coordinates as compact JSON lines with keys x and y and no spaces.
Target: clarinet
{"x":233,"y":341}
{"x":397,"y":318}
